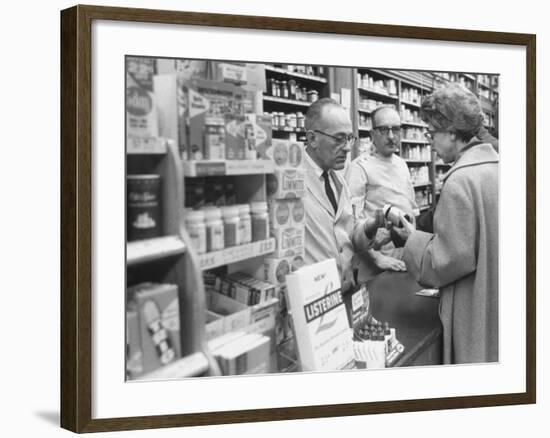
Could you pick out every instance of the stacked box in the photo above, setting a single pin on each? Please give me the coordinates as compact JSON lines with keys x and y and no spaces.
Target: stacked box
{"x":134,"y":365}
{"x":192,"y":111}
{"x":285,"y":188}
{"x":234,"y":137}
{"x":157,"y":308}
{"x":248,"y":354}
{"x":258,"y":136}
{"x":141,"y":111}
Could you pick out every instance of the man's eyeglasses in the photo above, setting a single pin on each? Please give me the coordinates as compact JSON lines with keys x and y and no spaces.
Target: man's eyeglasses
{"x":385,"y":130}
{"x":340,"y":140}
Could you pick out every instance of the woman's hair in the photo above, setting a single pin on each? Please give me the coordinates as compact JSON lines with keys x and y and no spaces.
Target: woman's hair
{"x":453,"y":108}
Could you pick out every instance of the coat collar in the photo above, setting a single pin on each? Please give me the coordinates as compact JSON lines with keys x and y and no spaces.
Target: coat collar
{"x":315,"y":186}
{"x":475,"y":154}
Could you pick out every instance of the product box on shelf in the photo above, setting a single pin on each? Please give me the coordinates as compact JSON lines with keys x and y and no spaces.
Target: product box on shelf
{"x":319,"y":318}
{"x":258,"y":136}
{"x":193,"y":112}
{"x":289,"y":240}
{"x":140,"y":70}
{"x":141,"y":111}
{"x":259,"y":318}
{"x":275,"y":269}
{"x":285,"y":153}
{"x":286,"y":183}
{"x":232,"y":73}
{"x":134,"y":364}
{"x":286,"y":212}
{"x":158,"y":313}
{"x":234,"y":136}
{"x":248,"y":354}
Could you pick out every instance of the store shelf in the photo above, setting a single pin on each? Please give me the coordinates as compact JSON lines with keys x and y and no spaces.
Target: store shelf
{"x":442,"y":164}
{"x":406,"y":102}
{"x":409,"y":141}
{"x":377,"y":92}
{"x":312,"y":78}
{"x":364,"y":111}
{"x":422,"y":184}
{"x":146,"y":145}
{"x":469,"y":76}
{"x":364,"y":128}
{"x":414,"y":124}
{"x":424,"y":207}
{"x":143,"y":251}
{"x":236,"y":254}
{"x":300,"y":103}
{"x":227,"y":167}
{"x":289,"y":130}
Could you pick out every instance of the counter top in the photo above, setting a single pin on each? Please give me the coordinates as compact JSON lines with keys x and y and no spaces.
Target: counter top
{"x":415,"y":318}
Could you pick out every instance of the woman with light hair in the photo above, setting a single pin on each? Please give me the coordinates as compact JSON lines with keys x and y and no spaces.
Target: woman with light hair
{"x":461,"y":256}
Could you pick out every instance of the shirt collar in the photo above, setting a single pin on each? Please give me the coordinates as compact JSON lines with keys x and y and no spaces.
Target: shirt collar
{"x":318,"y":171}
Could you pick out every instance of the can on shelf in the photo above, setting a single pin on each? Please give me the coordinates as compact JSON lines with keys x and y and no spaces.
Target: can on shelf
{"x":143,"y":211}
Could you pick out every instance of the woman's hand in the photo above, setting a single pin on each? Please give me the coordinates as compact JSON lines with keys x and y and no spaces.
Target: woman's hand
{"x":406,"y":228}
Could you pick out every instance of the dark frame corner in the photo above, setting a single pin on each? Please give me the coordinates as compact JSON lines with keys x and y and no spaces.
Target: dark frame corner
{"x":76,"y":174}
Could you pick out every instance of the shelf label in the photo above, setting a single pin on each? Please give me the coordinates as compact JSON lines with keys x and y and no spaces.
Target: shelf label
{"x":236,"y":254}
{"x":206,"y":168}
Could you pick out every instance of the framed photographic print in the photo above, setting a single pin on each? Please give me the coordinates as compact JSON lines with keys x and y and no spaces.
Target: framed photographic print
{"x":268,"y":218}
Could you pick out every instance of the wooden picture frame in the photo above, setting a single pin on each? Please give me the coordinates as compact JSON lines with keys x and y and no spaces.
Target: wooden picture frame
{"x":76,"y":217}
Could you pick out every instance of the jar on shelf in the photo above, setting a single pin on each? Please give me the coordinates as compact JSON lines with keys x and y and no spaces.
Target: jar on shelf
{"x":215,"y":239}
{"x":194,"y":223}
{"x":143,"y":214}
{"x":260,"y":221}
{"x":312,"y":96}
{"x":245,"y":224}
{"x":231,"y":225}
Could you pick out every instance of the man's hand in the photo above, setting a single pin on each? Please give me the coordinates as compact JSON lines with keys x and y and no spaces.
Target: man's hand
{"x":382,"y":237}
{"x":388,"y":263}
{"x":372,"y":224}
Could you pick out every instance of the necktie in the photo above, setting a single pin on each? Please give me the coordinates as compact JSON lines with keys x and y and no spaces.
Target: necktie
{"x":330,"y":192}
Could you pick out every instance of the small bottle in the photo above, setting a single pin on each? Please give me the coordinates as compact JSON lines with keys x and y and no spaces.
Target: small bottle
{"x":245,"y":224}
{"x":260,"y":221}
{"x":214,"y":138}
{"x":231,"y":225}
{"x":292,"y":89}
{"x":214,"y":229}
{"x":300,"y":120}
{"x":284,"y":90}
{"x":194,"y":223}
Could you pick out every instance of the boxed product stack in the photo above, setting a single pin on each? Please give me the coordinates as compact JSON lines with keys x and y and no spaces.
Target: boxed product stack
{"x":210,"y":120}
{"x":141,"y":110}
{"x":153,"y":327}
{"x":285,"y":190}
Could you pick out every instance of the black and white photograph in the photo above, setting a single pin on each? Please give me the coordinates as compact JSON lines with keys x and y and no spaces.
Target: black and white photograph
{"x":285,"y":218}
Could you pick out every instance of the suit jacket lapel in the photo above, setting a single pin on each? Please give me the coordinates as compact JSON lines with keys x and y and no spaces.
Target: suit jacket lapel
{"x":340,"y":193}
{"x":316,"y":188}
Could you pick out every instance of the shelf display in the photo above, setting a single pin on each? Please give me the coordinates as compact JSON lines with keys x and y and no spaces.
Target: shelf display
{"x":217,"y":223}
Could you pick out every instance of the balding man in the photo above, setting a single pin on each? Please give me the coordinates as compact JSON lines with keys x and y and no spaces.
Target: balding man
{"x":378,"y":178}
{"x":332,"y":228}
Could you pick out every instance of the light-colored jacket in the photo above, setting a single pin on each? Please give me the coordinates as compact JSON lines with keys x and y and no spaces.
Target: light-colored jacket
{"x":332,"y":235}
{"x":461,"y":257}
